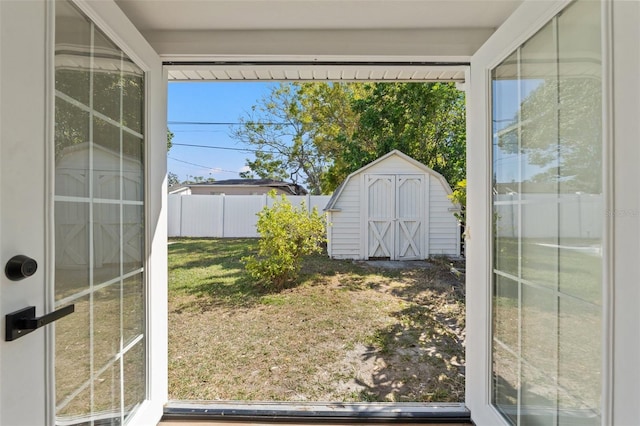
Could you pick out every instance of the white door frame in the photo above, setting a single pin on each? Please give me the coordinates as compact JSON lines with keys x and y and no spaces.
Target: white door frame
{"x":623,"y":56}
{"x":112,"y":21}
{"x":22,"y":30}
{"x":26,"y":207}
{"x":520,"y":26}
{"x":531,"y":16}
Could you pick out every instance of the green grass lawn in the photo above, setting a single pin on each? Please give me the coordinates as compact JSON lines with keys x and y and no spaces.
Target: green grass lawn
{"x":344,"y":331}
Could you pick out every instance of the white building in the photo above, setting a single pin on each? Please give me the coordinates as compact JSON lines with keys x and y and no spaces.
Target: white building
{"x":394,"y":207}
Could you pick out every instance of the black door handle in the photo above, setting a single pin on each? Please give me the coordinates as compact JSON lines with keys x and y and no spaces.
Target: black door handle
{"x":24,"y":321}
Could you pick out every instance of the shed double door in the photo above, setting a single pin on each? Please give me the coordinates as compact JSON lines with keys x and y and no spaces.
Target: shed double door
{"x":395,"y":216}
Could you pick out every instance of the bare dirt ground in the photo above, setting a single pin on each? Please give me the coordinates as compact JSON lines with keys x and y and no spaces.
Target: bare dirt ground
{"x":421,"y":356}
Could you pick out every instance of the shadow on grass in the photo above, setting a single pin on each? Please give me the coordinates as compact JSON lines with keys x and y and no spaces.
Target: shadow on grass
{"x":427,"y":336}
{"x":353,"y":276}
{"x":211,"y":270}
{"x":197,"y":253}
{"x":419,"y":354}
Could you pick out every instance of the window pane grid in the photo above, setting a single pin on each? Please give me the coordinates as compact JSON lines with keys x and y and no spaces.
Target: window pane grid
{"x":66,"y":98}
{"x":77,"y":296}
{"x":98,"y":200}
{"x":556,"y":293}
{"x":548,"y":215}
{"x":99,"y":215}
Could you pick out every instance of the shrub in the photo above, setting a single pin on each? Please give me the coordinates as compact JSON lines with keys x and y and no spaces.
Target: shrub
{"x":459,"y":196}
{"x":287,"y":234}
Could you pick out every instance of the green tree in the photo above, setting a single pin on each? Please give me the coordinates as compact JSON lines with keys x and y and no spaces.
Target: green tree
{"x":459,"y":196}
{"x":170,"y":136}
{"x":329,"y":107}
{"x":424,"y":120}
{"x":297,"y":129}
{"x":172,"y":179}
{"x":267,"y":166}
{"x":318,"y":133}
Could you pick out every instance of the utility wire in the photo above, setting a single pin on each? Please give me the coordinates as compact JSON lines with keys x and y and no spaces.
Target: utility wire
{"x":222,"y":147}
{"x":197,"y":131}
{"x":223,"y":123}
{"x":200,"y":165}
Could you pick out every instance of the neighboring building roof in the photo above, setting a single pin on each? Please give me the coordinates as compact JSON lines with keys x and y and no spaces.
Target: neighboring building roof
{"x":176,"y":189}
{"x":336,"y":194}
{"x":291,"y":188}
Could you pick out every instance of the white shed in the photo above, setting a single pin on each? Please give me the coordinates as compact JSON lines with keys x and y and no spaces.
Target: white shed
{"x":395,"y":208}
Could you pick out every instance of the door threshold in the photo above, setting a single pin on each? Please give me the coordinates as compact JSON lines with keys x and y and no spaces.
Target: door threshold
{"x":318,"y":412}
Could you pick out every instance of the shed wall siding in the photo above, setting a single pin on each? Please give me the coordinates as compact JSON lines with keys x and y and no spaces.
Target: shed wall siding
{"x":393,"y":166}
{"x":345,"y":228}
{"x":443,"y":226}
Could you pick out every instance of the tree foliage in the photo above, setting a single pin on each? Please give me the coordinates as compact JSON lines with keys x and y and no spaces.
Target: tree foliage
{"x":297,"y":129}
{"x":172,"y":179}
{"x":287,"y":234}
{"x":425,"y":121}
{"x":170,"y":136}
{"x":318,"y":133}
{"x":459,"y":197}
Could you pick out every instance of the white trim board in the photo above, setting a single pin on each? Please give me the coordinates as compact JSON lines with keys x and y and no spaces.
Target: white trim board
{"x":520,"y":26}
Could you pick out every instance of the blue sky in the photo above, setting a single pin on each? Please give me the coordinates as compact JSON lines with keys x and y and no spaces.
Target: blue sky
{"x":214,"y":102}
{"x":209,"y":103}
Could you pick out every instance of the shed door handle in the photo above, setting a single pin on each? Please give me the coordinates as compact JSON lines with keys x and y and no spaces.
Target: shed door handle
{"x":24,"y":321}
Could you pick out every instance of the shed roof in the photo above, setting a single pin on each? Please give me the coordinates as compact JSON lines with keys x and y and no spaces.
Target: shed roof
{"x":336,"y":194}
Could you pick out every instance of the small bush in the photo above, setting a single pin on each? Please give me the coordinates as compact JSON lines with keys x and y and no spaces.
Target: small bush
{"x":459,"y":196}
{"x":287,"y":234}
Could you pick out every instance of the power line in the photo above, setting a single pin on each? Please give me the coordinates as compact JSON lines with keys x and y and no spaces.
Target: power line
{"x":225,"y":123}
{"x":198,"y":131}
{"x":222,"y":147}
{"x":204,"y":167}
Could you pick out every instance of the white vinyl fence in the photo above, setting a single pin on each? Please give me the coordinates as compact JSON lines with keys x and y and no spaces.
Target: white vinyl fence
{"x":228,"y":216}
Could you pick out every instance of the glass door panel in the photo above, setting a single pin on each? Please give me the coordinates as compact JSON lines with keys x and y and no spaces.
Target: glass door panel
{"x":100,"y":366}
{"x":548,"y":214}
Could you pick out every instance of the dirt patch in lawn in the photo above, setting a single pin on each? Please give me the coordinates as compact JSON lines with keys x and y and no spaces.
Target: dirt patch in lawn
{"x":346,"y":331}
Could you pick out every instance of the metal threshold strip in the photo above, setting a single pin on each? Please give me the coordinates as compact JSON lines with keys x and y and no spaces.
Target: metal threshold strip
{"x":317,"y":412}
